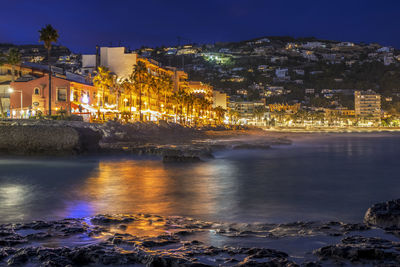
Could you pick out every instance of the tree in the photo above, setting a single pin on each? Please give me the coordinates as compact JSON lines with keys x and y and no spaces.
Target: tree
{"x":259,"y":111}
{"x":104,"y":81}
{"x":48,"y":35}
{"x":139,"y":76}
{"x":179,"y":98}
{"x":233,"y":115}
{"x":13,"y":58}
{"x":167,"y":89}
{"x":219,"y":112}
{"x":2,"y":60}
{"x":127,"y":89}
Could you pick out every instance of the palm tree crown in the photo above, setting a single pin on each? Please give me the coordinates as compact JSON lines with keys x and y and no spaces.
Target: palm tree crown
{"x":13,"y":58}
{"x":48,"y":35}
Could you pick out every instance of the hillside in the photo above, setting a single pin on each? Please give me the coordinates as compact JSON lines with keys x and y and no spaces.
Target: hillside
{"x":253,"y":69}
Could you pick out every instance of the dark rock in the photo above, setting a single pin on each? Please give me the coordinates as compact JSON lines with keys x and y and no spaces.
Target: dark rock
{"x":384,"y":215}
{"x":107,"y":219}
{"x":251,"y":146}
{"x":177,"y":158}
{"x":47,"y":139}
{"x":373,"y":251}
{"x":19,"y":258}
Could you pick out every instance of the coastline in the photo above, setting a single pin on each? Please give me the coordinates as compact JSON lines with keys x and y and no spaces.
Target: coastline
{"x":153,"y":240}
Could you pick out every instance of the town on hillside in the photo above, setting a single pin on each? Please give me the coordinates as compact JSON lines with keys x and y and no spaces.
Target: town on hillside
{"x":270,"y":81}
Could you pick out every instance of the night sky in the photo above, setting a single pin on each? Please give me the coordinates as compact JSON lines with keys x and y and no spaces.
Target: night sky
{"x":84,"y":23}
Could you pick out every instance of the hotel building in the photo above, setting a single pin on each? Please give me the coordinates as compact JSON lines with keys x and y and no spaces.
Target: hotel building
{"x":367,"y":104}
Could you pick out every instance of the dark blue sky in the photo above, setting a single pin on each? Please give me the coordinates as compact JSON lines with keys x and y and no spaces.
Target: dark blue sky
{"x":84,"y":23}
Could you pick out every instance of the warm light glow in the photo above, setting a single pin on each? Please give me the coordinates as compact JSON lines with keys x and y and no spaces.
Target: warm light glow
{"x":10,"y":90}
{"x":85,"y":99}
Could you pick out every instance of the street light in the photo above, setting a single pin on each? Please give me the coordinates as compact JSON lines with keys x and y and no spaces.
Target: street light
{"x":11,"y":90}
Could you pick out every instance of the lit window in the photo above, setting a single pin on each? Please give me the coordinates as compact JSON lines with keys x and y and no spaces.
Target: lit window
{"x":62,"y":94}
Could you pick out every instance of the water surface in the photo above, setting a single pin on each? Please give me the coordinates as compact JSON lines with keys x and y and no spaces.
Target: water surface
{"x":327,"y":178}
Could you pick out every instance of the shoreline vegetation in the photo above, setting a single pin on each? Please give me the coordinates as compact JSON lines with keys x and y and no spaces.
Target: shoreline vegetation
{"x":153,"y":240}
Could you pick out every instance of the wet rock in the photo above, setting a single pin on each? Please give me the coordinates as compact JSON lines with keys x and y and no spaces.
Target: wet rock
{"x":47,"y":139}
{"x":19,"y":258}
{"x":247,"y":262}
{"x":108,"y":219}
{"x":181,"y":159}
{"x":384,"y":215}
{"x":364,"y":250}
{"x":12,"y":240}
{"x":251,"y":146}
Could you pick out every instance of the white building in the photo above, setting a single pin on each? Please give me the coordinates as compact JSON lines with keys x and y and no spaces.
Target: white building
{"x":88,"y":64}
{"x":281,"y":73}
{"x":310,"y":91}
{"x":118,"y":61}
{"x":387,"y":60}
{"x":114,"y":58}
{"x":312,"y":45}
{"x":219,"y":100}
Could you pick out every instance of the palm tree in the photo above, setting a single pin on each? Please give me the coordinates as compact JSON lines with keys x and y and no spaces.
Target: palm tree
{"x":259,"y":112}
{"x":233,"y":115}
{"x":104,"y":81}
{"x":2,"y":60}
{"x":189,"y":101}
{"x":167,"y":89}
{"x":219,"y":112}
{"x":152,"y":88}
{"x":179,"y":100}
{"x":127,"y":89}
{"x":48,"y":35}
{"x":139,"y":77}
{"x":13,"y":58}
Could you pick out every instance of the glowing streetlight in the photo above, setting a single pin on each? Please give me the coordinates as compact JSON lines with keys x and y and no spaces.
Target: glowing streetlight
{"x":11,"y":90}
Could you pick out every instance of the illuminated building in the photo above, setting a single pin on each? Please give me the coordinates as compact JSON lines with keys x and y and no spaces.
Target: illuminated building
{"x":220,"y":99}
{"x":367,"y":104}
{"x":284,"y":107}
{"x":114,"y":58}
{"x":245,"y":109}
{"x":68,"y":96}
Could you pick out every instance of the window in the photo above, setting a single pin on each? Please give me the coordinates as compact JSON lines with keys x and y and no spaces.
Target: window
{"x":62,"y":94}
{"x":36,"y":91}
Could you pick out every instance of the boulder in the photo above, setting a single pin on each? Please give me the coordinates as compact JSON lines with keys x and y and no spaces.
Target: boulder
{"x":384,"y":215}
{"x":47,"y":139}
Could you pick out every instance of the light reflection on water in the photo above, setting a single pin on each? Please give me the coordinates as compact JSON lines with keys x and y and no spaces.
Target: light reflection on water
{"x":332,"y":179}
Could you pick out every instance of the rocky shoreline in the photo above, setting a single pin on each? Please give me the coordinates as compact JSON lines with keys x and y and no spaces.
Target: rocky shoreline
{"x":169,"y":140}
{"x":152,"y":240}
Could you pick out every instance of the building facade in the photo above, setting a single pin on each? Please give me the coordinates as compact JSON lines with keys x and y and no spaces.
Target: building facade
{"x":367,"y":104}
{"x":67,"y":96}
{"x":116,"y":59}
{"x":220,"y":100}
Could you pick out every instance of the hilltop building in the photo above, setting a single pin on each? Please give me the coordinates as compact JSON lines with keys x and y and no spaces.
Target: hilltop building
{"x":367,"y":104}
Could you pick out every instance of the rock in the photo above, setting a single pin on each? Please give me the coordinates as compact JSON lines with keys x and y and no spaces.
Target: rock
{"x":109,"y":219}
{"x":364,"y":250}
{"x":384,"y":215}
{"x":251,"y":146}
{"x":47,"y":139}
{"x":180,"y":158}
{"x":18,"y":259}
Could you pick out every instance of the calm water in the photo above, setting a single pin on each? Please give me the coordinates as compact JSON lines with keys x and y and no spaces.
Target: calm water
{"x":334,"y":178}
